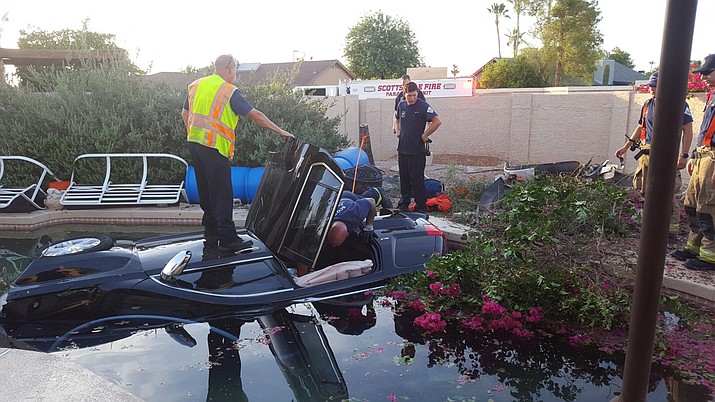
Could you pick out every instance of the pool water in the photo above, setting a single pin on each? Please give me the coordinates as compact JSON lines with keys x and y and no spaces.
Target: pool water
{"x":356,"y":350}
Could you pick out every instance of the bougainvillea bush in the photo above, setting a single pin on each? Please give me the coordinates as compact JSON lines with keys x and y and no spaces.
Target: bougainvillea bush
{"x":541,"y":265}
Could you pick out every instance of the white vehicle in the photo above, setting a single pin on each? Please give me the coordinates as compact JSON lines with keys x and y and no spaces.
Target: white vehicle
{"x":389,"y":89}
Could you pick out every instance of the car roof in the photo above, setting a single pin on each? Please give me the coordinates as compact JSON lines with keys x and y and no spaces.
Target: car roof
{"x":295,"y":201}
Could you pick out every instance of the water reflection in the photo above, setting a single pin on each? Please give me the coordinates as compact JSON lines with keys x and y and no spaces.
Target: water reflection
{"x":356,"y":348}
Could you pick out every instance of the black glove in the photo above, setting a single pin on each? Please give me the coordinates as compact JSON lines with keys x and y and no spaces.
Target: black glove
{"x":367,"y":234}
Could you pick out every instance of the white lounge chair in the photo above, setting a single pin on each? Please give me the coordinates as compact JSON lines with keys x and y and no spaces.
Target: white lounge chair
{"x":22,"y":198}
{"x":116,"y":194}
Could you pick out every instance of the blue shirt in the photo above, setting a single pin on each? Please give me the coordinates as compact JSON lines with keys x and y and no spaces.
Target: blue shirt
{"x":708,"y":115}
{"x":413,"y":120}
{"x":352,"y":212}
{"x":650,"y":118}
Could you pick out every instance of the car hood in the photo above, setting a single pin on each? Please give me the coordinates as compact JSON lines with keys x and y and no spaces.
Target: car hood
{"x":295,"y":201}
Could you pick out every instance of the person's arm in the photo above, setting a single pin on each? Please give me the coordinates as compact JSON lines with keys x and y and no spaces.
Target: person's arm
{"x":262,"y":120}
{"x":622,"y":150}
{"x":687,"y":138}
{"x":185,"y":117}
{"x":432,"y":126}
{"x":370,"y":219}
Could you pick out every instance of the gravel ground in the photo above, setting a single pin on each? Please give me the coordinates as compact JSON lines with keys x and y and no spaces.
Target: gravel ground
{"x":465,"y":167}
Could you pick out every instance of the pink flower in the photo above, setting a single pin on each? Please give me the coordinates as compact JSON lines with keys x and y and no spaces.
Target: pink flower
{"x":431,"y":322}
{"x":392,"y":398}
{"x":474,"y":323}
{"x":398,"y":294}
{"x":492,"y":308}
{"x":436,"y":288}
{"x":453,"y":290}
{"x":416,"y":305}
{"x":534,"y":316}
{"x":431,"y":274}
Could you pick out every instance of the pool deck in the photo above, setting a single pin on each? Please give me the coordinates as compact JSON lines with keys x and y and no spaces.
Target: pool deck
{"x":56,"y":378}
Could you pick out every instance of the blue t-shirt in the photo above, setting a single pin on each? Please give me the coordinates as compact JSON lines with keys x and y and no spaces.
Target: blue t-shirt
{"x":413,"y":120}
{"x":239,"y":104}
{"x":650,"y":118}
{"x":352,"y":212}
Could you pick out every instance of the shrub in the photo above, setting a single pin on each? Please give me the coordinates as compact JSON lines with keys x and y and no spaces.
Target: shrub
{"x":108,"y":110}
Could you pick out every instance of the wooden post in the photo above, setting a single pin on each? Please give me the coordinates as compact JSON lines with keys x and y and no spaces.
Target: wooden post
{"x":365,"y":136}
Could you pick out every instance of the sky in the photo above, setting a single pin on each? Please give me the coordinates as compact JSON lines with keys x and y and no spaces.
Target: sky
{"x":169,"y":36}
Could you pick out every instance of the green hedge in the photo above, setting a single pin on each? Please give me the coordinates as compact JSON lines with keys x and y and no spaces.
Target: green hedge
{"x":108,"y":110}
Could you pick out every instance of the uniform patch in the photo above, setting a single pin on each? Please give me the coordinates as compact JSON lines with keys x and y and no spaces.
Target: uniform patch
{"x":429,"y":110}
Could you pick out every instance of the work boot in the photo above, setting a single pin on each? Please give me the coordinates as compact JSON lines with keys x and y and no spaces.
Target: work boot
{"x":683,"y":255}
{"x":236,"y":245}
{"x":697,"y":264}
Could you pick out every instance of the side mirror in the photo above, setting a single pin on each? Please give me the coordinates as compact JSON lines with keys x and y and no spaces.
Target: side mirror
{"x":175,"y":266}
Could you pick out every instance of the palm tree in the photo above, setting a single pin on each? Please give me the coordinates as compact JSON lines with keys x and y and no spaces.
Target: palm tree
{"x":518,"y":6}
{"x":499,"y":10}
{"x":514,"y":39}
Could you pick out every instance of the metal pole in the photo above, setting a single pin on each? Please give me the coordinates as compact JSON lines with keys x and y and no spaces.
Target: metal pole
{"x":670,"y":103}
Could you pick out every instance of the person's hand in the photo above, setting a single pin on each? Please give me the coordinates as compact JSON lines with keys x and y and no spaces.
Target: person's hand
{"x":367,"y":234}
{"x":690,"y":166}
{"x":284,"y":134}
{"x":620,"y":152}
{"x":682,"y":162}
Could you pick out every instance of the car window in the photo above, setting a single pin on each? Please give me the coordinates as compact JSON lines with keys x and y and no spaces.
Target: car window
{"x":315,"y":207}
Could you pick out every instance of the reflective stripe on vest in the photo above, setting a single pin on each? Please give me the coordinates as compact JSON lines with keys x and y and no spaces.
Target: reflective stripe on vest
{"x":644,"y":111}
{"x":211,"y":120}
{"x":707,"y":140}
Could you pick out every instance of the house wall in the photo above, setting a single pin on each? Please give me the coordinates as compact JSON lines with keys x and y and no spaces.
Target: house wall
{"x":330,"y":76}
{"x":516,"y":126}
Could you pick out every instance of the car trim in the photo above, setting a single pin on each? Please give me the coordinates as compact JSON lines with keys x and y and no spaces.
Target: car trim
{"x":225,"y":263}
{"x":160,"y":282}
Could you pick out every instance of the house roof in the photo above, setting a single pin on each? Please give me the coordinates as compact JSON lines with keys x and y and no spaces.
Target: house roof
{"x":174,"y":80}
{"x":618,"y":74}
{"x":308,"y":71}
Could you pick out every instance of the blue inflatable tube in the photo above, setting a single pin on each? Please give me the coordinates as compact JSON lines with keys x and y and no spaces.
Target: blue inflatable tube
{"x":244,"y":181}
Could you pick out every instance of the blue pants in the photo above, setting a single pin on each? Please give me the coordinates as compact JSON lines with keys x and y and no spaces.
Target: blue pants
{"x":213,"y":182}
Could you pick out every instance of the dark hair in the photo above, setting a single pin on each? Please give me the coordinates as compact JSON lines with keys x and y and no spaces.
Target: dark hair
{"x":406,"y":77}
{"x":411,"y":87}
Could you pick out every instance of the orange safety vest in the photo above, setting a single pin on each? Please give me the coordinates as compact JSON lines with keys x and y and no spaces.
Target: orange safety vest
{"x":212,"y":122}
{"x":644,"y":112}
{"x":707,"y":140}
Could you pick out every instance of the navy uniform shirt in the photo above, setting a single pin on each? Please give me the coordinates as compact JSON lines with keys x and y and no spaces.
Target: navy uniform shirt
{"x":352,"y":212}
{"x":650,"y":118}
{"x":413,"y":120}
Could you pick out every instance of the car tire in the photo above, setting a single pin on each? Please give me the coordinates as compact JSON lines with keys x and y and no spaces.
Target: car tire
{"x":75,"y":245}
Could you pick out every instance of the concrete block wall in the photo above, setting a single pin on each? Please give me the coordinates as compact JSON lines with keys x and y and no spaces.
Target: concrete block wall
{"x":518,"y":126}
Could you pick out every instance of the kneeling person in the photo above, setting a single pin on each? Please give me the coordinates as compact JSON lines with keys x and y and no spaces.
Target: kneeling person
{"x":352,"y":211}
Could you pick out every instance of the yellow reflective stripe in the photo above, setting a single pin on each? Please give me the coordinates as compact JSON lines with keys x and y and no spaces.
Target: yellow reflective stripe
{"x":706,"y":255}
{"x":692,"y":248}
{"x":221,"y":100}
{"x":207,"y":123}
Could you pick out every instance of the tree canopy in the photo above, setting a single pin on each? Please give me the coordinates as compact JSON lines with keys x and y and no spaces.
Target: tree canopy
{"x":620,"y":56}
{"x":380,"y":47}
{"x":520,"y":72}
{"x":572,"y":40}
{"x":69,"y":39}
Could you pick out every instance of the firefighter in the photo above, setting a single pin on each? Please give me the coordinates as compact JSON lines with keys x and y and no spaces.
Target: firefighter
{"x":699,"y":251}
{"x":640,"y":141}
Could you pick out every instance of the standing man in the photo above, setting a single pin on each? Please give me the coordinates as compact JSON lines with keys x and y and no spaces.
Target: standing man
{"x":699,"y":251}
{"x":401,"y":96}
{"x":644,"y":134}
{"x":411,"y":118}
{"x":211,"y":112}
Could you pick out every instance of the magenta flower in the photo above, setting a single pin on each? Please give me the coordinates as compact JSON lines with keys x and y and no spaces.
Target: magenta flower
{"x":416,"y":305}
{"x":474,"y":323}
{"x":431,"y":322}
{"x":431,"y":274}
{"x":392,"y":398}
{"x":453,"y":290}
{"x":436,"y":288}
{"x":493,"y":308}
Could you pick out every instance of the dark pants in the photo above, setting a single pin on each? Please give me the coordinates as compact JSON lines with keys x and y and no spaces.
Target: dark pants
{"x":213,"y":181}
{"x":412,"y":181}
